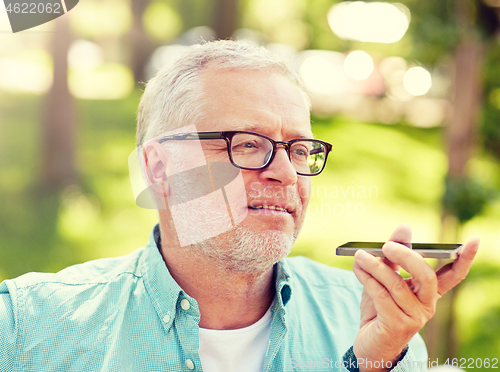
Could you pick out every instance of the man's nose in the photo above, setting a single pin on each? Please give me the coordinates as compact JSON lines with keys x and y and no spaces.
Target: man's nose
{"x":281,"y":169}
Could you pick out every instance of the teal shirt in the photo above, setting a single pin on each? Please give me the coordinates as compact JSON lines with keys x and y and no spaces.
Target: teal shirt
{"x":124,"y":314}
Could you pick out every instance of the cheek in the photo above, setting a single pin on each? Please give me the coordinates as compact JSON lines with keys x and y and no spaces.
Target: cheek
{"x":304,"y":186}
{"x":252,"y":184}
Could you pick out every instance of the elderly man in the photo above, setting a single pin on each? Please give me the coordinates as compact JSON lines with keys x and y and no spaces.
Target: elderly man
{"x":225,"y":135}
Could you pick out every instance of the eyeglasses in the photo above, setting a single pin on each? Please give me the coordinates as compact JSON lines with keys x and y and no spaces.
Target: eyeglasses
{"x":255,"y":151}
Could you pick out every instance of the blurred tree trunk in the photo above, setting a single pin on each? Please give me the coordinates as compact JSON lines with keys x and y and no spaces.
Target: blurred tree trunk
{"x":225,"y":17}
{"x":461,"y":136}
{"x":142,"y":46}
{"x":462,"y":133}
{"x":58,"y":158}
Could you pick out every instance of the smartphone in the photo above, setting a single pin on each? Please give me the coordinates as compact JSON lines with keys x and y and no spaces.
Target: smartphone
{"x":426,"y":250}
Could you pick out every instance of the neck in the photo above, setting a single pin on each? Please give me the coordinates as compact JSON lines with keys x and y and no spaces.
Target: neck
{"x":227,"y":299}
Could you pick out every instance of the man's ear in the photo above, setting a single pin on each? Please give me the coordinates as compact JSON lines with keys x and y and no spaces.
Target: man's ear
{"x":155,"y":168}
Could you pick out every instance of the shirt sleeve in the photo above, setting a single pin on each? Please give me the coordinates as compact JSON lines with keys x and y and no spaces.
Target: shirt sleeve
{"x":413,"y":360}
{"x":8,"y":330}
{"x":410,"y":363}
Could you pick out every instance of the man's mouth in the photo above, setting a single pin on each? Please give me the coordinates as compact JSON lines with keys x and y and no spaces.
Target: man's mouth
{"x":270,"y":207}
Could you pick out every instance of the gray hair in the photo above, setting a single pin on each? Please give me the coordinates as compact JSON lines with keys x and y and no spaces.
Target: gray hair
{"x":174,"y":98}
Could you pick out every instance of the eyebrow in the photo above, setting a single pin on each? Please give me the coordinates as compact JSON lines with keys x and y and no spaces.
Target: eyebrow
{"x":251,"y":127}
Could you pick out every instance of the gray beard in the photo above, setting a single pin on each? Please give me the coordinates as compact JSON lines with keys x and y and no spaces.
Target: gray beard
{"x":245,"y":251}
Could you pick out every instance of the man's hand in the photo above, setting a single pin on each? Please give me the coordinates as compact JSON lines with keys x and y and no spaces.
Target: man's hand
{"x":394,"y":309}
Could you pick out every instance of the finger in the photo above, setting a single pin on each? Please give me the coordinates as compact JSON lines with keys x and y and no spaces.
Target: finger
{"x":394,"y":267}
{"x":393,"y":283}
{"x":402,"y":234}
{"x":424,"y":279}
{"x":453,"y":273}
{"x":368,"y":311}
{"x":382,"y":300}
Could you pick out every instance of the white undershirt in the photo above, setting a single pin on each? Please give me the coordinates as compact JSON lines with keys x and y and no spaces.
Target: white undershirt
{"x":241,"y":350}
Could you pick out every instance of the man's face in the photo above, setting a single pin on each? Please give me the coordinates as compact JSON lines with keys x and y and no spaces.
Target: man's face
{"x":269,"y":104}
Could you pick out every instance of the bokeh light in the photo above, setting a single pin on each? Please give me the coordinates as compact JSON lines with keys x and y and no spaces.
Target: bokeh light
{"x":161,"y":21}
{"x":358,"y":65}
{"x":417,"y":81}
{"x":494,"y":98}
{"x":101,"y":18}
{"x":26,"y":70}
{"x":376,"y":22}
{"x":22,"y":76}
{"x":84,"y":54}
{"x":107,"y":81}
{"x":393,"y":69}
{"x":163,"y":56}
{"x":322,"y":72}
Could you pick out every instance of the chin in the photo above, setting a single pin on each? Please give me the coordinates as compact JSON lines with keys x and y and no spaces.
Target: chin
{"x":246,"y":250}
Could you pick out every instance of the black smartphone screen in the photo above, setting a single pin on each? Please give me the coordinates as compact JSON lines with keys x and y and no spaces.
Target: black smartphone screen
{"x":426,"y":246}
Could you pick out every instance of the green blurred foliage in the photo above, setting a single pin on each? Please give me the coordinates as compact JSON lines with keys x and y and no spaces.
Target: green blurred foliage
{"x":478,"y":306}
{"x":322,"y":36}
{"x":433,"y":30}
{"x":490,"y":119}
{"x":437,"y":27}
{"x":465,"y":198}
{"x":43,"y":230}
{"x":194,"y":13}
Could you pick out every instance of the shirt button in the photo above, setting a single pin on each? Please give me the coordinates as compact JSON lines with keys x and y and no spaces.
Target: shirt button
{"x":166,"y":318}
{"x":185,"y":305}
{"x":189,"y":363}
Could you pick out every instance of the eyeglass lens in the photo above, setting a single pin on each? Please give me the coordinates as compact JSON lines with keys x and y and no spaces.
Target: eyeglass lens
{"x":252,"y":151}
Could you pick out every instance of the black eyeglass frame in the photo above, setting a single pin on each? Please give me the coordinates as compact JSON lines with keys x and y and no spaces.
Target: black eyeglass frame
{"x":228,"y":136}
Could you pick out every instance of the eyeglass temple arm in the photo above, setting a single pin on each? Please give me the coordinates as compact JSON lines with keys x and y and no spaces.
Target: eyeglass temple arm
{"x":318,"y":150}
{"x":192,"y":136}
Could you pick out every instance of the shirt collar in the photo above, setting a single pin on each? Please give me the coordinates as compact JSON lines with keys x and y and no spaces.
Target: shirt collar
{"x":283,"y":281}
{"x":167,"y":295}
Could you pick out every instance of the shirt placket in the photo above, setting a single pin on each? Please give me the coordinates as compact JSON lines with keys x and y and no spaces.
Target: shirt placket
{"x":187,"y":333}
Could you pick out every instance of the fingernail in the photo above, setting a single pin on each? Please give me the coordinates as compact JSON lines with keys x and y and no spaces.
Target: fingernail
{"x":361,"y":255}
{"x":388,"y":247}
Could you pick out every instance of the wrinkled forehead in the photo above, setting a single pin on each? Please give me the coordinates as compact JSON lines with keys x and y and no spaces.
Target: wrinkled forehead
{"x":238,"y":99}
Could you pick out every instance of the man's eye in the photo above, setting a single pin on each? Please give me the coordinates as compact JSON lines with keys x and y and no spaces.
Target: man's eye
{"x":247,"y":145}
{"x":302,"y":151}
